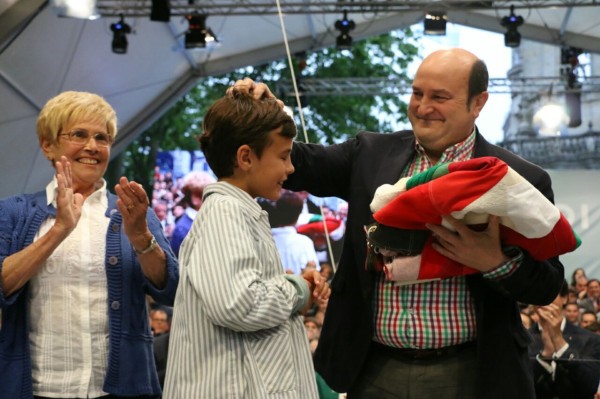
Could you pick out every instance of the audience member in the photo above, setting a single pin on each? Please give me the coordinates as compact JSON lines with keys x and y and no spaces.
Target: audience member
{"x":77,"y":264}
{"x":161,"y":355}
{"x":237,"y":328}
{"x":296,"y":250}
{"x":565,"y":358}
{"x":327,"y":235}
{"x":594,"y":327}
{"x":327,"y":271}
{"x":591,"y":300}
{"x":587,"y":317}
{"x":578,"y":272}
{"x":377,"y":335}
{"x":161,"y":210}
{"x":308,"y":204}
{"x":581,"y":287}
{"x":572,"y":297}
{"x":572,"y":312}
{"x":160,"y":321}
{"x":193,"y":189}
{"x":320,"y":311}
{"x":313,"y":328}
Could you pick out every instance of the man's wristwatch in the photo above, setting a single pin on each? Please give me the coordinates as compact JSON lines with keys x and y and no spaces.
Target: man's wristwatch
{"x":149,"y":248}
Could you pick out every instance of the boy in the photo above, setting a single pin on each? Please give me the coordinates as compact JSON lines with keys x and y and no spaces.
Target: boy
{"x":237,"y":331}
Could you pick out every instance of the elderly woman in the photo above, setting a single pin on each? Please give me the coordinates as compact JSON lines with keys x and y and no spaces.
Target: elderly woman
{"x":76,"y":264}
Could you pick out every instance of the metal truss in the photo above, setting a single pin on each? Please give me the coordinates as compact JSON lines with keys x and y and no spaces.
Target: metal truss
{"x":386,"y":87}
{"x":141,"y":8}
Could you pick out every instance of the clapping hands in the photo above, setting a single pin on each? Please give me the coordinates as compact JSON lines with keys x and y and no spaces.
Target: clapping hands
{"x":68,"y":203}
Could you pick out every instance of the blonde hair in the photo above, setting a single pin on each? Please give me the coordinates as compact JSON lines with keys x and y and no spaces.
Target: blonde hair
{"x":71,"y":107}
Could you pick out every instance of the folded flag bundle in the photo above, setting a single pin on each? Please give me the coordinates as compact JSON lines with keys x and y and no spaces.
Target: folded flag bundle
{"x":468,"y":190}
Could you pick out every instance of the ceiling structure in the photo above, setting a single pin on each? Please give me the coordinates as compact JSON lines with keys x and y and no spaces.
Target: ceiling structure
{"x":42,"y":54}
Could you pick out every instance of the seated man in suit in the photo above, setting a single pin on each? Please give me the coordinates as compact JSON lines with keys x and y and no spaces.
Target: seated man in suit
{"x":565,"y":357}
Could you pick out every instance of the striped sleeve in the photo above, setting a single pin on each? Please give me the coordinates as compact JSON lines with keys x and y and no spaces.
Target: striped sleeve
{"x":231,"y":269}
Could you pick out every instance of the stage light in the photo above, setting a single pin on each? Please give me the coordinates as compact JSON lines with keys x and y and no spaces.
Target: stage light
{"x":198,"y":35}
{"x":344,"y":40}
{"x":82,"y":9}
{"x":551,"y":119}
{"x":435,"y":23}
{"x":160,"y":11}
{"x":512,"y":37}
{"x":569,"y":59}
{"x":120,"y":31}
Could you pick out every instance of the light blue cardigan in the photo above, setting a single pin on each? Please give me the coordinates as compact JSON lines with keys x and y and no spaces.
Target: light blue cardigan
{"x":131,"y":369}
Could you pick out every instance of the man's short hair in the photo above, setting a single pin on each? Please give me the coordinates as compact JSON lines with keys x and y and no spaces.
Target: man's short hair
{"x":478,"y":80}
{"x":238,"y":119}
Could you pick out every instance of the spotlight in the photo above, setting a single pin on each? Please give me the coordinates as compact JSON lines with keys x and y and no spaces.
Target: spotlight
{"x":569,"y":58}
{"x":435,"y":23}
{"x":344,"y":40}
{"x":512,"y":37}
{"x":551,"y":119}
{"x":82,"y":9}
{"x":160,"y":11}
{"x":198,"y":35}
{"x":120,"y":30}
{"x":569,"y":55}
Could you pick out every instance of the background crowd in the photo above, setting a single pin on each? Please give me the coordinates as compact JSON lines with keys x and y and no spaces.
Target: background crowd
{"x":309,"y":233}
{"x":299,"y":231}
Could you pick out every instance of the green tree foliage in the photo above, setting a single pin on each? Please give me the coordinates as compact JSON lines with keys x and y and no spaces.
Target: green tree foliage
{"x":331,"y":119}
{"x":328,"y":119}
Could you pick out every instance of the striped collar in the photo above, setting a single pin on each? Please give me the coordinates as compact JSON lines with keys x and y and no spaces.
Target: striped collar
{"x":228,"y":189}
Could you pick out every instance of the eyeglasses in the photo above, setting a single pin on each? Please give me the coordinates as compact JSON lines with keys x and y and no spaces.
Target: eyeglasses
{"x":82,"y":137}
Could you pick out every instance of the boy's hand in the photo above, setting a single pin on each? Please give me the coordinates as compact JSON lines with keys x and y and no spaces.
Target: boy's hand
{"x":319,"y":289}
{"x":318,"y":286}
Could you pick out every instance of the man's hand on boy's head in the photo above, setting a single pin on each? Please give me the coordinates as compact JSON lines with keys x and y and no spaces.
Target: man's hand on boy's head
{"x":259,"y":91}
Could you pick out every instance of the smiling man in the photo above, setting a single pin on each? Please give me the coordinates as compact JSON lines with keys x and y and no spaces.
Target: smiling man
{"x":459,"y":337}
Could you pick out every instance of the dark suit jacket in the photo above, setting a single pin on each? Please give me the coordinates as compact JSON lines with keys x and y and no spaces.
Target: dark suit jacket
{"x":161,"y":353}
{"x":574,"y":378}
{"x":352,"y":171}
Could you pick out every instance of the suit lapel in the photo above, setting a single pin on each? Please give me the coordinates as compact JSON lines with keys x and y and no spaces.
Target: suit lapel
{"x":395,"y":157}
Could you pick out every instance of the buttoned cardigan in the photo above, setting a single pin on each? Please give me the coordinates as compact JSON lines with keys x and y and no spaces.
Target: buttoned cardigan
{"x":130,"y":370}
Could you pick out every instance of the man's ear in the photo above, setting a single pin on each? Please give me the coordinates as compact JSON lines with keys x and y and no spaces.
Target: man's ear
{"x":479,"y":102}
{"x":244,"y":157}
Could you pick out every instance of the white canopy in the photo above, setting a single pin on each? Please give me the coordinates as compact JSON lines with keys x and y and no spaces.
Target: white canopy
{"x":42,"y":55}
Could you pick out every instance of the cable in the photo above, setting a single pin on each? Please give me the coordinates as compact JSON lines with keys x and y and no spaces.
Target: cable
{"x":301,"y":114}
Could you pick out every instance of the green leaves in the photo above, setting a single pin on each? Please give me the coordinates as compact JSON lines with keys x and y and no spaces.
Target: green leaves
{"x":329,"y":119}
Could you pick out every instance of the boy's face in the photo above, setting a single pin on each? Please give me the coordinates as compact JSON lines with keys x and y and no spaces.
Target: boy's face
{"x":268,"y":172}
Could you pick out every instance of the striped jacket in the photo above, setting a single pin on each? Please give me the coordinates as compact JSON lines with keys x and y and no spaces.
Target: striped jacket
{"x":236,"y":331}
